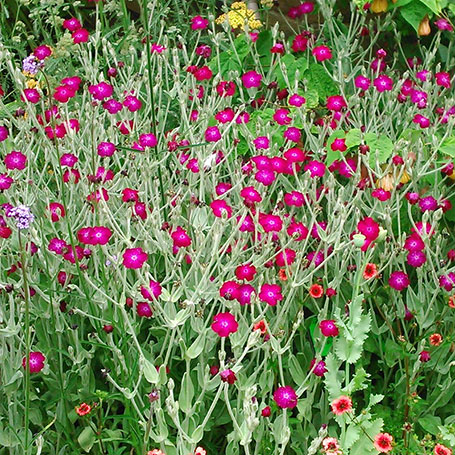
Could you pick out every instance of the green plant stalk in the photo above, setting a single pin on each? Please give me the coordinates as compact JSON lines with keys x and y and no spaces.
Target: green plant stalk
{"x":152,"y":99}
{"x":27,"y":342}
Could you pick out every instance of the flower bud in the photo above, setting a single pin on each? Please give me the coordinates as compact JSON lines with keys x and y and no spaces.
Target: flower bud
{"x":359,"y":240}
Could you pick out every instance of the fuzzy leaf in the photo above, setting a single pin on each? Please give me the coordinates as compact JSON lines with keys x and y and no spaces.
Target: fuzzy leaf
{"x":332,"y":383}
{"x":186,"y":393}
{"x":363,"y":446}
{"x":86,"y":439}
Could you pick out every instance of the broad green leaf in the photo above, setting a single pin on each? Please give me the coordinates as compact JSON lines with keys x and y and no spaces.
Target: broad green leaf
{"x":351,"y":436}
{"x":434,"y":5}
{"x":430,"y":424}
{"x":353,"y":138}
{"x":448,"y":146}
{"x":295,"y":369}
{"x":86,"y":439}
{"x":414,"y":12}
{"x":318,"y":79}
{"x":380,"y":148}
{"x":312,"y":98}
{"x":364,"y":446}
{"x":196,"y":347}
{"x":331,"y":380}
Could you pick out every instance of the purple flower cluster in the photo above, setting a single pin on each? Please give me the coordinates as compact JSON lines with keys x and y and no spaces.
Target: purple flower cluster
{"x":32,"y":65}
{"x":22,"y":215}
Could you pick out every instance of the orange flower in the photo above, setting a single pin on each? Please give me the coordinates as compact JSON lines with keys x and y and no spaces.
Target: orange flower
{"x":442,"y":450}
{"x":83,"y":409}
{"x":371,"y":271}
{"x":435,"y":339}
{"x":452,"y":301}
{"x":341,"y":405}
{"x":282,"y":275}
{"x":316,"y":291}
{"x":261,"y":325}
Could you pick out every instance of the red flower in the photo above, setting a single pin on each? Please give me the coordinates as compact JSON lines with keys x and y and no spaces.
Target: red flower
{"x":83,"y":409}
{"x":316,"y":291}
{"x":341,"y":405}
{"x":383,"y":442}
{"x":371,"y":271}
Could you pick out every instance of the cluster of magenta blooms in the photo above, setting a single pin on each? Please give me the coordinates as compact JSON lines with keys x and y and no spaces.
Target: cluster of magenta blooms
{"x":260,"y":171}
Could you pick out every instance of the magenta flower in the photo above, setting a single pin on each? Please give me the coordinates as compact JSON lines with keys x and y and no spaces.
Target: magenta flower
{"x":148,"y":140}
{"x":362,"y":82}
{"x":414,"y":243}
{"x":63,"y":93}
{"x":428,"y":203}
{"x":57,"y":211}
{"x":250,"y":195}
{"x":444,"y":24}
{"x":251,"y":79}
{"x":286,"y":257}
{"x":220,"y":208}
{"x":281,"y":116}
{"x":270,"y":294}
{"x":422,"y":121}
{"x":3,"y":133}
{"x":292,"y":134}
{"x":381,"y":194}
{"x":32,"y":95}
{"x":228,"y":376}
{"x":298,"y":231}
{"x":224,"y":324}
{"x":300,"y":43}
{"x":424,"y":356}
{"x":244,"y":294}
{"x":35,"y":363}
{"x":316,"y":168}
{"x":199,"y":23}
{"x":261,"y":143}
{"x":80,"y":36}
{"x":134,"y":258}
{"x":335,"y":103}
{"x":212,"y":134}
{"x":144,"y":310}
{"x":285,"y":397}
{"x":265,"y":176}
{"x":101,"y":91}
{"x":245,"y":272}
{"x":229,"y":289}
{"x":447,"y":281}
{"x":5,"y":182}
{"x":72,"y":24}
{"x":369,"y":228}
{"x":398,"y":280}
{"x":339,"y":144}
{"x":225,"y":116}
{"x":270,"y":223}
{"x":383,"y":83}
{"x":15,"y":160}
{"x":322,"y":53}
{"x":226,"y":88}
{"x":416,"y":258}
{"x":318,"y":370}
{"x":203,"y":74}
{"x":153,"y":291}
{"x":295,"y":199}
{"x":328,"y":328}
{"x":180,"y":237}
{"x":296,"y":100}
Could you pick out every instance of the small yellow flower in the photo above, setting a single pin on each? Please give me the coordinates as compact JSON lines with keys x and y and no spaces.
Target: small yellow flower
{"x":379,"y":6}
{"x":31,"y":83}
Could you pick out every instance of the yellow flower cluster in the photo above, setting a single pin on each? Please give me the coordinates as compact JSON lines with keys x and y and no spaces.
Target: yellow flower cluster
{"x":267,"y":3}
{"x":239,"y":16}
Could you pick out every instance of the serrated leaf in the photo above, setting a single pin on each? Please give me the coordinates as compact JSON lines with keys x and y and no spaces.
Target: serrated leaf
{"x":332,"y":383}
{"x":364,"y":446}
{"x":351,"y":435}
{"x":318,"y":79}
{"x":358,"y":382}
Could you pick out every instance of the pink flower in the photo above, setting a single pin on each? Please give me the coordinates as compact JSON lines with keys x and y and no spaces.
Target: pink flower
{"x":220,"y":208}
{"x":153,"y":291}
{"x":212,"y":134}
{"x":228,"y":376}
{"x":3,"y":133}
{"x":101,"y":91}
{"x":285,"y":397}
{"x":322,"y":53}
{"x":362,"y":82}
{"x":300,"y":43}
{"x":369,"y":228}
{"x":398,"y":280}
{"x":295,"y":199}
{"x":57,"y":211}
{"x":244,"y":294}
{"x":318,"y":370}
{"x":428,"y":204}
{"x":251,"y":79}
{"x":383,"y":83}
{"x":72,"y":24}
{"x":245,"y":272}
{"x":31,"y":95}
{"x":80,"y":36}
{"x":250,"y":195}
{"x":296,"y":100}
{"x":444,"y":24}
{"x":5,"y":182}
{"x":35,"y":363}
{"x":228,"y":290}
{"x":148,"y":140}
{"x":144,"y":310}
{"x":265,"y":176}
{"x":292,"y":134}
{"x":383,"y":442}
{"x":270,"y":294}
{"x":180,"y":237}
{"x":316,"y":168}
{"x":281,"y":116}
{"x":132,"y":103}
{"x":15,"y":160}
{"x":199,"y":23}
{"x":134,"y":258}
{"x":286,"y":257}
{"x":335,"y":103}
{"x":423,"y":122}
{"x":381,"y":194}
{"x":328,"y":328}
{"x":298,"y":231}
{"x":42,"y":52}
{"x":106,"y":149}
{"x":261,"y":143}
{"x":203,"y":74}
{"x":225,"y":88}
{"x":270,"y":223}
{"x":224,"y":324}
{"x":339,"y":144}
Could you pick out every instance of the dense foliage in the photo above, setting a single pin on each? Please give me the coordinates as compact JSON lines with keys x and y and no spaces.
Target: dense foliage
{"x":219,"y":234}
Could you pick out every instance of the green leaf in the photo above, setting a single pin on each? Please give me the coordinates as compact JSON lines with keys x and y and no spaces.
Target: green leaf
{"x":430,"y":424}
{"x":331,"y":380}
{"x":434,"y":5}
{"x":363,"y":446}
{"x":196,"y":347}
{"x":186,"y":394}
{"x":380,"y":148}
{"x":318,"y":79}
{"x":295,"y":369}
{"x":353,"y":138}
{"x":358,"y":382}
{"x":149,"y":371}
{"x":448,"y":146}
{"x":414,"y":12}
{"x":351,"y":436}
{"x":86,"y":439}
{"x":312,"y":98}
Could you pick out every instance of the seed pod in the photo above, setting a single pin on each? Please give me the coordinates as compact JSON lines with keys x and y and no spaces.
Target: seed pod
{"x":424,"y":26}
